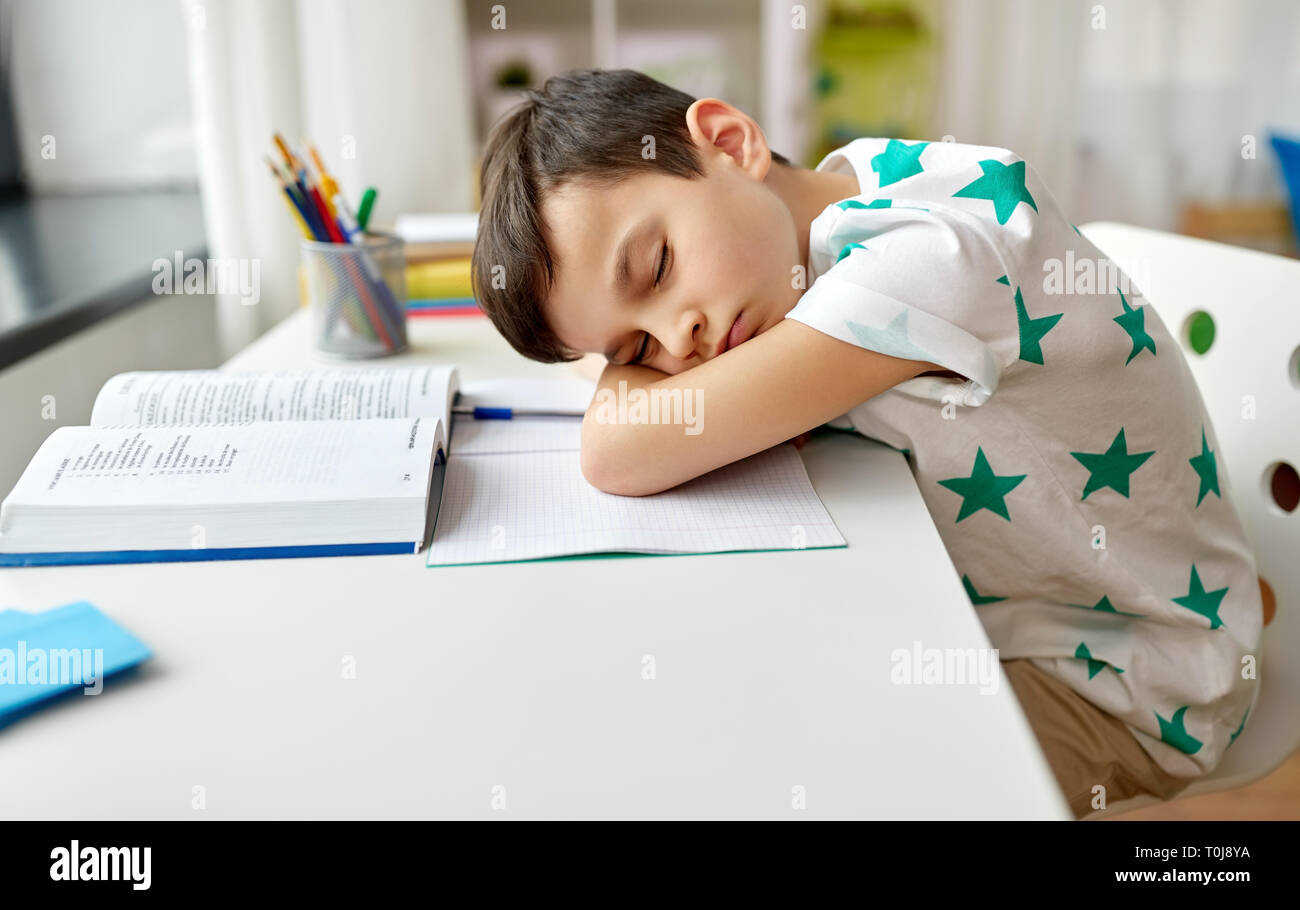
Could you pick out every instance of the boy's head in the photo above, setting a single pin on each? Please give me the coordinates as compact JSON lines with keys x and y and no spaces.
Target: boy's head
{"x":624,"y":217}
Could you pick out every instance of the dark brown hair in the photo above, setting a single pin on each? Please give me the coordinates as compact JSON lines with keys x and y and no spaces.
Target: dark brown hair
{"x":584,"y":124}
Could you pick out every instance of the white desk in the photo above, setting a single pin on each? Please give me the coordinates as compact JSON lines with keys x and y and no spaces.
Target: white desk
{"x":772,"y":672}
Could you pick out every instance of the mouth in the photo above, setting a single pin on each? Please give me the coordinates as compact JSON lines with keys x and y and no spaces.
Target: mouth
{"x":735,"y":336}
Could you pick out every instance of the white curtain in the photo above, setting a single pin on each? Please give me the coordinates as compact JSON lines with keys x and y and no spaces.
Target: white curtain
{"x":1127,"y":108}
{"x":381,"y":87}
{"x":1174,"y":88}
{"x":1009,"y":77}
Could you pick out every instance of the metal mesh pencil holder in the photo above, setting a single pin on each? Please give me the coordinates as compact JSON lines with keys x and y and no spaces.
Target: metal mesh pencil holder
{"x":356,"y":294}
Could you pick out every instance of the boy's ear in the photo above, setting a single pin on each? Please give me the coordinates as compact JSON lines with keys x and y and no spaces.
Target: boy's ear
{"x":719,"y":128}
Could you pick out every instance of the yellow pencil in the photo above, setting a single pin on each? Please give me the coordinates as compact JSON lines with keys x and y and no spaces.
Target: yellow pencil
{"x":288,"y":200}
{"x":329,"y":188}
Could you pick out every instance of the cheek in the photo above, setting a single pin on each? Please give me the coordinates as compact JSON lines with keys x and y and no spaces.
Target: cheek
{"x":749,"y":248}
{"x":770,"y":247}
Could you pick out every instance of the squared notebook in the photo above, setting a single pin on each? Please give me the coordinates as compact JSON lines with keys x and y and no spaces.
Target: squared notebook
{"x":514,"y":491}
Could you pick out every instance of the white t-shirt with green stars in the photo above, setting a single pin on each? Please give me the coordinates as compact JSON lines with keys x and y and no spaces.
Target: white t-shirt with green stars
{"x":1074,"y":474}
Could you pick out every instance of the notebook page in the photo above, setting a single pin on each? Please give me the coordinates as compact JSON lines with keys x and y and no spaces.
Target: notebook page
{"x":505,"y":508}
{"x":566,"y":396}
{"x":198,"y":397}
{"x":522,"y":434}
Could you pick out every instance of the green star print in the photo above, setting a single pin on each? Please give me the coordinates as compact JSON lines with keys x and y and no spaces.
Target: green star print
{"x":1094,"y":666}
{"x":1105,"y":606}
{"x":1199,"y":600}
{"x":1175,"y":734}
{"x":849,"y":248}
{"x":1234,"y":736}
{"x":1032,"y":331}
{"x":847,"y":204}
{"x":976,"y":597}
{"x":1132,"y":321}
{"x":893,"y":339}
{"x":983,"y":489}
{"x":1003,"y":185}
{"x":1207,"y":469}
{"x":1112,"y":467}
{"x":898,"y":161}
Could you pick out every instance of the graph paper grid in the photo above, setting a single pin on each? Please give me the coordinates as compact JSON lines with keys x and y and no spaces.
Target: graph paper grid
{"x":502,"y":503}
{"x":523,"y":434}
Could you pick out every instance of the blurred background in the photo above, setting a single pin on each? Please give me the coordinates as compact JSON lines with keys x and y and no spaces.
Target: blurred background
{"x":134,"y":130}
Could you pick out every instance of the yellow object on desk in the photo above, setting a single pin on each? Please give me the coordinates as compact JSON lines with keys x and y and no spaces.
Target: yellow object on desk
{"x":448,"y":278}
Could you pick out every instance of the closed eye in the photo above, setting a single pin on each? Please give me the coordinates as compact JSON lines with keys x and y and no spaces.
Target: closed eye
{"x":659,"y":275}
{"x":640,"y":353}
{"x":663,"y":264}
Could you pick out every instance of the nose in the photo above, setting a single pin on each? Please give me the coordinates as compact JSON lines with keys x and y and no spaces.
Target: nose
{"x":683,"y":336}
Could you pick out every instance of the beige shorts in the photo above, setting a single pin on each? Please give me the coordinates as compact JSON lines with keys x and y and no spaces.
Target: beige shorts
{"x":1084,"y":745}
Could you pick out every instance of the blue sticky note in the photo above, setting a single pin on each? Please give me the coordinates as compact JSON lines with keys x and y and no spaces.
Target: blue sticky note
{"x":70,"y":647}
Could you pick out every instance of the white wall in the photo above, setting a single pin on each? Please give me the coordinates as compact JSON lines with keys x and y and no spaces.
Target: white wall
{"x":106,"y":80}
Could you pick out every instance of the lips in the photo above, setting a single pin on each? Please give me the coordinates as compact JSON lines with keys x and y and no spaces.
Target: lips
{"x":736,"y":335}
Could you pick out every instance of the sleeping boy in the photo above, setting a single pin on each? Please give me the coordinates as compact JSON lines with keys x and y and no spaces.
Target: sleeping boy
{"x":1055,"y":431}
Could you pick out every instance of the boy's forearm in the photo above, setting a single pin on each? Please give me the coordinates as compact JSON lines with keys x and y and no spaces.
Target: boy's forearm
{"x":618,"y":455}
{"x":770,"y":389}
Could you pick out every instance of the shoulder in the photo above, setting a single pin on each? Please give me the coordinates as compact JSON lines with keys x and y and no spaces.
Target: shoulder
{"x":894,"y":161}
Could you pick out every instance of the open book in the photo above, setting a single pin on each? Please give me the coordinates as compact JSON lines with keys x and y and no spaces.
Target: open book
{"x":208,"y":464}
{"x":350,"y":461}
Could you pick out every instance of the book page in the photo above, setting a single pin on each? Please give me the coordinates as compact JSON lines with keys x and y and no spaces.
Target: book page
{"x":256,"y":484}
{"x":505,"y":507}
{"x":198,"y":397}
{"x":256,"y":462}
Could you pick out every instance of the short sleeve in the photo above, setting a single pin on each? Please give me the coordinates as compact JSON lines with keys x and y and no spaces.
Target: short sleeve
{"x":914,"y":283}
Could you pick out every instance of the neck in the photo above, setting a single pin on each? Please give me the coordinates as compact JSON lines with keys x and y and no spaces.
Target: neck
{"x":806,"y":193}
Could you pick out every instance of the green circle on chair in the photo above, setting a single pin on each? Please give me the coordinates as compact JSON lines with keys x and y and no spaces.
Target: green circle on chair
{"x":1200,"y":331}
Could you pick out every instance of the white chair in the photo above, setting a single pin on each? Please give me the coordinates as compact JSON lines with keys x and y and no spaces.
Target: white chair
{"x":1254,"y":301}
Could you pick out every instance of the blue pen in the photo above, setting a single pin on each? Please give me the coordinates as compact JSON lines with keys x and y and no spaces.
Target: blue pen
{"x":480,"y":413}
